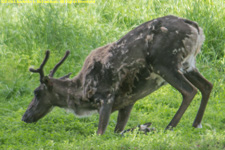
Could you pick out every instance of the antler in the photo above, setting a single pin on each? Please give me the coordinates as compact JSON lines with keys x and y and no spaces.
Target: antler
{"x":52,"y":72}
{"x":40,"y":69}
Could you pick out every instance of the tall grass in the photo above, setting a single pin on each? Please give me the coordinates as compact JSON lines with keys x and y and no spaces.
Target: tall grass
{"x":27,"y":30}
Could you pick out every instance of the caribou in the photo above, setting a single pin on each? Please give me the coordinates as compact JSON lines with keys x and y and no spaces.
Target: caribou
{"x":118,"y":74}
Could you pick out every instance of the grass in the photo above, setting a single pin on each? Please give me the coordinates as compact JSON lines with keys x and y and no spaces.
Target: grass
{"x":26,"y":31}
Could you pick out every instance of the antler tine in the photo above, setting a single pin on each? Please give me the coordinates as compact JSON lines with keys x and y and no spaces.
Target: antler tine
{"x":52,"y":72}
{"x":40,"y":69}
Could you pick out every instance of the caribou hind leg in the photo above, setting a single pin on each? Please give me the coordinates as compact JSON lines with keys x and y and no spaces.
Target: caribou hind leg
{"x":205,"y":88}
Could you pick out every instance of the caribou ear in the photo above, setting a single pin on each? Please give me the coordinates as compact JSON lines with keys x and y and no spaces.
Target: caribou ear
{"x":66,"y":76}
{"x":47,"y":82}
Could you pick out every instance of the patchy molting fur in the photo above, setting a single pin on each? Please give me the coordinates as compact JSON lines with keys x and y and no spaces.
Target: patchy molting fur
{"x":125,"y":60}
{"x":192,"y":46}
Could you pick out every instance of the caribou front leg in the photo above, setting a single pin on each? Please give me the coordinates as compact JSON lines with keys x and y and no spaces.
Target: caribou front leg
{"x":105,"y":112}
{"x":122,"y":118}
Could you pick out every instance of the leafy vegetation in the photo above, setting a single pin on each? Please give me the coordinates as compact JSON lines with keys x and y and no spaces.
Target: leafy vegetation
{"x":26,"y":31}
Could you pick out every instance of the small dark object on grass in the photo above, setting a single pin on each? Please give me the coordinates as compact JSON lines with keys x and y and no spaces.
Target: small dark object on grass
{"x":143,"y":128}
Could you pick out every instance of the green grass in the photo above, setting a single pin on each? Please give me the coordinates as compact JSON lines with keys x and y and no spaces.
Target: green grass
{"x":26,"y":31}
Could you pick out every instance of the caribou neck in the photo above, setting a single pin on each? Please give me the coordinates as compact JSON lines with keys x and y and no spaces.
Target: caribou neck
{"x":67,"y":92}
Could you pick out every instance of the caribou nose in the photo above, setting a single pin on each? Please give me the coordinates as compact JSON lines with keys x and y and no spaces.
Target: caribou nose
{"x":27,"y":119}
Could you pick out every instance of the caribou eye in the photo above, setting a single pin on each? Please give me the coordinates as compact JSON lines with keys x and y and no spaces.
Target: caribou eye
{"x":37,"y":93}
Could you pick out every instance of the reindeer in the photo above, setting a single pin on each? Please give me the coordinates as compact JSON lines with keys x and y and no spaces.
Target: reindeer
{"x":116,"y":75}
